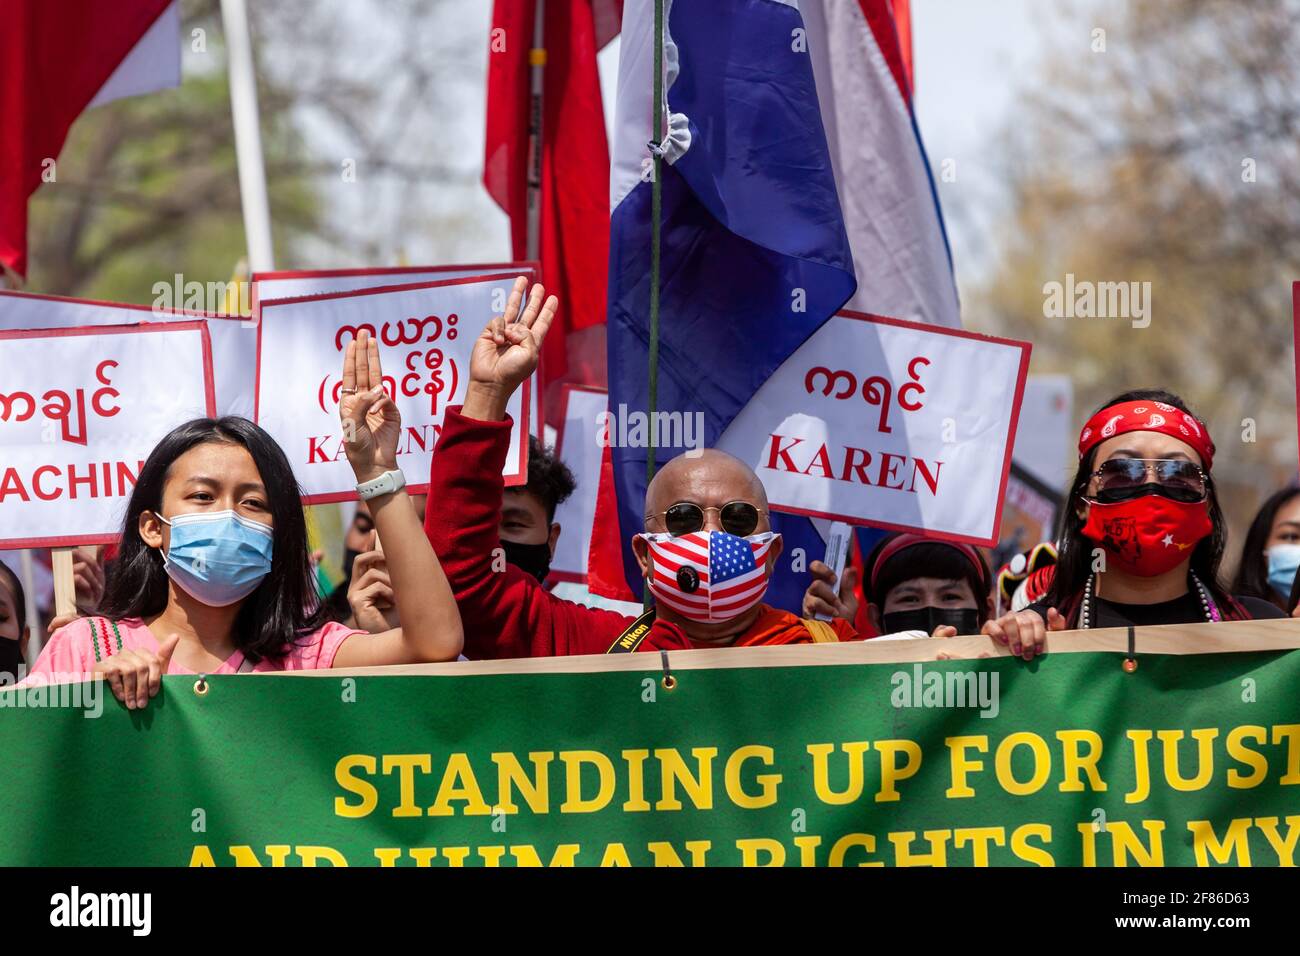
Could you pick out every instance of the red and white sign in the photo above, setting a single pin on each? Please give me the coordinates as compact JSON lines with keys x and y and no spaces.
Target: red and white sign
{"x":234,"y":339}
{"x":887,"y":423}
{"x":295,"y":283}
{"x":80,"y":411}
{"x":425,"y":332}
{"x":578,"y":447}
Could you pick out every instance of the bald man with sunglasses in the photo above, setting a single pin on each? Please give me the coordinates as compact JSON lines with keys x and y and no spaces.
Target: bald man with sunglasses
{"x":703,"y":512}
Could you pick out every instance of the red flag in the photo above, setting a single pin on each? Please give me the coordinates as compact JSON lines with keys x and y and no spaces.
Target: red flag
{"x":55,"y":56}
{"x":574,"y":240}
{"x":903,"y":23}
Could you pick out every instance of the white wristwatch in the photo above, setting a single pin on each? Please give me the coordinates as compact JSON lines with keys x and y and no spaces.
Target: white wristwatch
{"x":385,"y":484}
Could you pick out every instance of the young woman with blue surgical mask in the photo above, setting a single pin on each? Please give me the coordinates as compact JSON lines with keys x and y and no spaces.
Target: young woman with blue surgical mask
{"x":213,"y":573}
{"x":1271,"y":554}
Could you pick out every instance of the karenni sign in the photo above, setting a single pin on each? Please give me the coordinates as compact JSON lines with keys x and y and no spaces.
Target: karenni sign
{"x":291,"y":284}
{"x":234,"y":339}
{"x":888,"y":423}
{"x":80,"y":411}
{"x":425,"y":332}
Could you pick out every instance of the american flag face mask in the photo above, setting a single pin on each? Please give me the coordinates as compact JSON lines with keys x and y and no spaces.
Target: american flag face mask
{"x":709,"y":576}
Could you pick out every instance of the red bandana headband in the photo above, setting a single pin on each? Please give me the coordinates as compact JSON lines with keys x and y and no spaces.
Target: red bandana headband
{"x":1147,"y":416}
{"x":908,"y":540}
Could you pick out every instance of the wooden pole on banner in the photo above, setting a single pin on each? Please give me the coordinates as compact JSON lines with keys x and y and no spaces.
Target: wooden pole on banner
{"x":65,"y":588}
{"x":536,"y":101}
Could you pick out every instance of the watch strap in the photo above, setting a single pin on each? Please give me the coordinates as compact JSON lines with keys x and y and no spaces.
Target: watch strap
{"x":385,"y":484}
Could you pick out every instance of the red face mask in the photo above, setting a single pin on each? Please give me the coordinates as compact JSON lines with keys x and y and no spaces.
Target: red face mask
{"x":1149,"y":535}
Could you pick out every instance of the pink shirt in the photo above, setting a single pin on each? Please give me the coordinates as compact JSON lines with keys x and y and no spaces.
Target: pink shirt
{"x":71,"y":650}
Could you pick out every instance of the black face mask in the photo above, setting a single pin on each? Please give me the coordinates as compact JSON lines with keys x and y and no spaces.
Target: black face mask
{"x":349,"y":559}
{"x":10,"y":657}
{"x":965,"y":619}
{"x":533,"y":558}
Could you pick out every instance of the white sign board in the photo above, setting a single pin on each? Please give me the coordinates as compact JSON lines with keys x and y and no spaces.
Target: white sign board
{"x":425,"y":333}
{"x":80,"y":411}
{"x":579,"y":448}
{"x":888,"y":423}
{"x":234,"y":339}
{"x":297,"y":283}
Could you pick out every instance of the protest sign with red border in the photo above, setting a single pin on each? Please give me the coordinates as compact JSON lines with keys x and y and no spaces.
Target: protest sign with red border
{"x":155,"y":383}
{"x":306,"y":337}
{"x":295,"y":283}
{"x":953,"y":395}
{"x":233,"y":337}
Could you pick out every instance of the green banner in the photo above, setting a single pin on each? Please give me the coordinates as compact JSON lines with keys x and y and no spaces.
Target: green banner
{"x":1190,"y":760}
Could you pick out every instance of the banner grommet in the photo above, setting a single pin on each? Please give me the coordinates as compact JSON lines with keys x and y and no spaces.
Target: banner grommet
{"x":201,"y":686}
{"x":668,"y":680}
{"x":1130,"y":662}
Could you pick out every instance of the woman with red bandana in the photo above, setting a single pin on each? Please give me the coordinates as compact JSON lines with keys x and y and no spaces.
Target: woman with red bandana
{"x":1143,"y":536}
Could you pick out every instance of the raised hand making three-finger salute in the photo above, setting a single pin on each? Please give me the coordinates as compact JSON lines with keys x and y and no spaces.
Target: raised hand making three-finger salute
{"x":213,"y":575}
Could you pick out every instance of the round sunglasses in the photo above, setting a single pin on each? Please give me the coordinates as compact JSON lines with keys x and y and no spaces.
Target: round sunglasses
{"x":1122,"y":479}
{"x":736,"y":517}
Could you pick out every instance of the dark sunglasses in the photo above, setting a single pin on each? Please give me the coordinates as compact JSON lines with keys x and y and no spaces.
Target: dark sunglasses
{"x":737,"y":517}
{"x":1122,"y":479}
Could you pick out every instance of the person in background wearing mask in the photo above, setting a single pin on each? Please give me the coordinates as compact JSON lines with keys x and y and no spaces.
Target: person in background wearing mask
{"x":1271,"y":555}
{"x":213,"y":573}
{"x":528,"y":534}
{"x":1142,"y":507}
{"x":706,"y":553}
{"x":14,"y":632}
{"x":915,"y":587}
{"x":528,"y":529}
{"x":376,"y":592}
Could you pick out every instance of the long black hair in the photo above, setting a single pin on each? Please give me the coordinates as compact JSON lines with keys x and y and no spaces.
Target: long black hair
{"x":1074,"y":561}
{"x":20,"y":596}
{"x":285,"y":606}
{"x":1252,"y":572}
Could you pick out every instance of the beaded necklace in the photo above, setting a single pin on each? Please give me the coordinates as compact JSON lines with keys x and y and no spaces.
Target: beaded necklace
{"x":1207,"y":602}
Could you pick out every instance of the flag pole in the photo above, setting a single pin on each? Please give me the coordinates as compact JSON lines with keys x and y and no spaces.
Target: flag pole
{"x":537,"y":87}
{"x":656,"y":159}
{"x":248,"y":136}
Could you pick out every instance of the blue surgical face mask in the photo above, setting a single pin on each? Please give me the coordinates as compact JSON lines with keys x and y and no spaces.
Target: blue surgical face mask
{"x":1283,"y":561}
{"x":217,"y":557}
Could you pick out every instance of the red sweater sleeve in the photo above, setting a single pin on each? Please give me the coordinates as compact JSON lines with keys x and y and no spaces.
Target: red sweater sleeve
{"x":506,"y":613}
